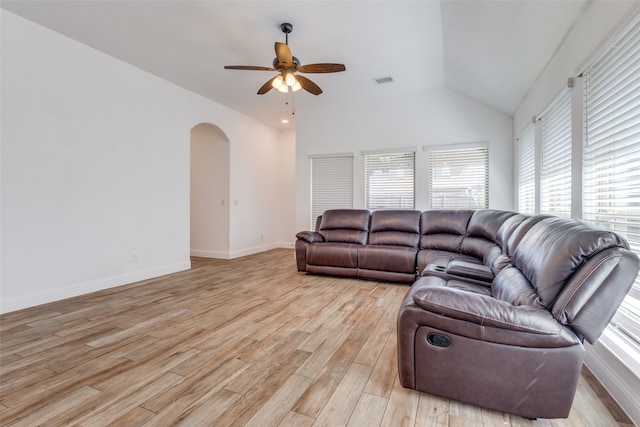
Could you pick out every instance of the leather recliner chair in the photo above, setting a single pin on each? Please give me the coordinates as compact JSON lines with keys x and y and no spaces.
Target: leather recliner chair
{"x":516,"y":344}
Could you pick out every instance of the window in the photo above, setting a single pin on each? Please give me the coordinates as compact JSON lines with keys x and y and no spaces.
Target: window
{"x":527,"y":171}
{"x":459,"y":178}
{"x":389,"y":180}
{"x":611,"y":164}
{"x":331,"y":185}
{"x":555,"y":168}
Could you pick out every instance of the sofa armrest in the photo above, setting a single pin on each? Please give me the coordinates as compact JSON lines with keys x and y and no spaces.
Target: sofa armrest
{"x":471,"y":270}
{"x":484,"y":310}
{"x":310,"y":236}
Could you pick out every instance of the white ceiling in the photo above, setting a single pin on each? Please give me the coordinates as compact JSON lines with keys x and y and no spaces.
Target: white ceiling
{"x":491,"y":51}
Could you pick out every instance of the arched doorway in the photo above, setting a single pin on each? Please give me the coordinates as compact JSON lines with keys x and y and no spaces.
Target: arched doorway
{"x":209,"y":192}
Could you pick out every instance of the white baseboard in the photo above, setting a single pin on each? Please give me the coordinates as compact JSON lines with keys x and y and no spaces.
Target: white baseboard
{"x":621,"y":383}
{"x":50,"y":295}
{"x":210,"y":254}
{"x":240,"y":252}
{"x":286,"y":245}
{"x":250,"y":251}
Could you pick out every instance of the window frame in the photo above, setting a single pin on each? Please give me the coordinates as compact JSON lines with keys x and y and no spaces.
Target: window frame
{"x":470,"y":151}
{"x":402,"y":189}
{"x":337,"y":184}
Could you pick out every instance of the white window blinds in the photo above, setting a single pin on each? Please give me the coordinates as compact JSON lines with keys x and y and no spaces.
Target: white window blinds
{"x":555,"y":168}
{"x":459,"y":178}
{"x":611,"y":187}
{"x":331,"y":185}
{"x":527,"y":171}
{"x":389,"y":180}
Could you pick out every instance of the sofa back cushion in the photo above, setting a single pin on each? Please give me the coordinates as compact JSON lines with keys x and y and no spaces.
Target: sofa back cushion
{"x":345,"y":225}
{"x":481,"y":235}
{"x":496,"y":257}
{"x":516,"y":235}
{"x":443,"y":229}
{"x":512,"y":286}
{"x":553,"y":249}
{"x":506,"y":230}
{"x":395,"y":227}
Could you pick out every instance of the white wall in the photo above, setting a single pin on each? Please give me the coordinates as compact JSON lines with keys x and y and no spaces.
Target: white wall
{"x":95,"y":169}
{"x":588,"y":36}
{"x":430,"y":118}
{"x":209,"y":192}
{"x":255,"y":195}
{"x":287,"y":188}
{"x":585,"y":39}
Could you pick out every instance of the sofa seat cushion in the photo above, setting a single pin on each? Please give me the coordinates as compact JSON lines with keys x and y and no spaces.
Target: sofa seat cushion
{"x":333,"y":254}
{"x":398,"y":259}
{"x":469,"y":310}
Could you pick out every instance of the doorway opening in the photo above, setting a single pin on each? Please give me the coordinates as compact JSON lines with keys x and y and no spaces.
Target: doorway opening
{"x":209,"y":198}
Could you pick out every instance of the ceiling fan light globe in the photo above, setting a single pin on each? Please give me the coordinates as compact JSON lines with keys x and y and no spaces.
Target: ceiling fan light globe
{"x":290,"y":79}
{"x":277,"y":82}
{"x":296,"y":87}
{"x":283,"y":88}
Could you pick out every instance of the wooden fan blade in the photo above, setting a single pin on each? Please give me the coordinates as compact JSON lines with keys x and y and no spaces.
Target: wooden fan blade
{"x":283,"y":54}
{"x":266,"y":87}
{"x":321,"y":68}
{"x":308,"y":85}
{"x":248,"y":67}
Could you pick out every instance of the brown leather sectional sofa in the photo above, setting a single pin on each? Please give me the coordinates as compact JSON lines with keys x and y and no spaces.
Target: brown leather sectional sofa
{"x":397,"y":245}
{"x":500,"y":302}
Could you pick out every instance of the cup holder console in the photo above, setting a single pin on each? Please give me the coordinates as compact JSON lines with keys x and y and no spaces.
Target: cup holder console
{"x":436,"y":267}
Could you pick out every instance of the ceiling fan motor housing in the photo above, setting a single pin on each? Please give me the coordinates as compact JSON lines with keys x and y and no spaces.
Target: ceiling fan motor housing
{"x":296,"y":62}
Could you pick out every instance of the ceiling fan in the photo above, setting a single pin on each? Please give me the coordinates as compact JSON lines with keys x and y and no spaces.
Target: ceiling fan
{"x":287,"y":65}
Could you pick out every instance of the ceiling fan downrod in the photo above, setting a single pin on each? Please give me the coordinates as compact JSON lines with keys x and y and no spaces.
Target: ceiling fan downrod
{"x":286,"y":28}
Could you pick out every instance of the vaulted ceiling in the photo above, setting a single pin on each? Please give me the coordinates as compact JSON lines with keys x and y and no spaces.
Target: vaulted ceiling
{"x":491,"y":51}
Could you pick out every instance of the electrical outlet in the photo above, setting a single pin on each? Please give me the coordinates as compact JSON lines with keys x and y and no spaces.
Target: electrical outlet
{"x":134,"y":256}
{"x":261,"y":237}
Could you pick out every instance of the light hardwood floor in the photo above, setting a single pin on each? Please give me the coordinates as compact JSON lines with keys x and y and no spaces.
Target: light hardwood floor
{"x":237,"y":342}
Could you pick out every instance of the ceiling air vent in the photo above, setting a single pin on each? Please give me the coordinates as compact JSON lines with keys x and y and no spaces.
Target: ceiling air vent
{"x":383,"y":80}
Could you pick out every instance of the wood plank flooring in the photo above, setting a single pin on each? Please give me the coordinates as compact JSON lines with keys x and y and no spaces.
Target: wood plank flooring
{"x":244,"y":342}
